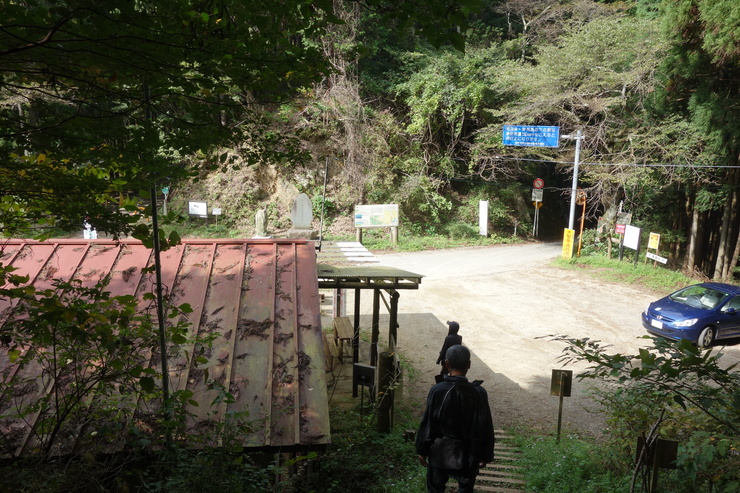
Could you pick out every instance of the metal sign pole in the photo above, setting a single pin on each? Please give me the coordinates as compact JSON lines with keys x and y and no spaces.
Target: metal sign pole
{"x":576,"y":162}
{"x":560,"y":407}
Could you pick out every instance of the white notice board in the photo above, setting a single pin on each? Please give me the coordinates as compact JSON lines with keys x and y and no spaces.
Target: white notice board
{"x":632,"y":237}
{"x":199,"y":209}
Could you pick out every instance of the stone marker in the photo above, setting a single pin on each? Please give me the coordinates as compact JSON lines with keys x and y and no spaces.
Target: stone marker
{"x":260,"y":224}
{"x":301,"y":216}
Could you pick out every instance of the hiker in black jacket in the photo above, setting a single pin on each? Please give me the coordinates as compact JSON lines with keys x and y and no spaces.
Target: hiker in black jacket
{"x":455,"y":437}
{"x":451,"y":339}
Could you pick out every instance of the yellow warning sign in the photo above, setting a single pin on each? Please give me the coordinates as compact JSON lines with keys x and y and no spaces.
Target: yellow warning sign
{"x":568,"y":237}
{"x":654,"y":241}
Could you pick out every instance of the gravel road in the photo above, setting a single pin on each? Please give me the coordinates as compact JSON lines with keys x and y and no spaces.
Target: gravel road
{"x":507,"y":299}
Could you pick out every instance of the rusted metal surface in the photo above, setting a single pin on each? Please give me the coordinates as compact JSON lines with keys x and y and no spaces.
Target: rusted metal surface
{"x":258,"y":299}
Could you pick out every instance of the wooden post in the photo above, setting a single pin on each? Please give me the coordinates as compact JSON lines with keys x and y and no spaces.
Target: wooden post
{"x":358,"y":235}
{"x":375,"y":328}
{"x":393,"y":324}
{"x":385,"y":392}
{"x":560,"y":407}
{"x":394,"y":235}
{"x":356,"y":340}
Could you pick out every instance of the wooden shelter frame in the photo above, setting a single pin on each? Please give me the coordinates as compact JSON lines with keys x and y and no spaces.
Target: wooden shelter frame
{"x":370,"y":277}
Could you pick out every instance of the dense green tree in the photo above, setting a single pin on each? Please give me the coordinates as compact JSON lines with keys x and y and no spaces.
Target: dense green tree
{"x":100,"y":99}
{"x":703,"y":68}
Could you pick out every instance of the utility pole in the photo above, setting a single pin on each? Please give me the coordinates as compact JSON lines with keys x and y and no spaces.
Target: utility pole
{"x":578,"y":138}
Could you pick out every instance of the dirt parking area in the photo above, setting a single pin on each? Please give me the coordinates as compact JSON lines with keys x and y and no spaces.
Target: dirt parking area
{"x":508,"y":299}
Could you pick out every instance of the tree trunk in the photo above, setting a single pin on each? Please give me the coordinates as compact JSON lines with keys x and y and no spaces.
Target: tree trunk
{"x":724,"y":231}
{"x":691,"y":250}
{"x":733,"y":261}
{"x":732,"y":233}
{"x":711,"y":227}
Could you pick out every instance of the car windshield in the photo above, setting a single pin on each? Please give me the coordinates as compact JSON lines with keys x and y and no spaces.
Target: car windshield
{"x":700,"y":297}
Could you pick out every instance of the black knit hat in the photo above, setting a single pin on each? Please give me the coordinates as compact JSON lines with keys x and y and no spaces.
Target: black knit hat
{"x":454,"y":326}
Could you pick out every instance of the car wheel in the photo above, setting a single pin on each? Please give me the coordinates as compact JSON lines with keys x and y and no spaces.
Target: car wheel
{"x":706,"y":337}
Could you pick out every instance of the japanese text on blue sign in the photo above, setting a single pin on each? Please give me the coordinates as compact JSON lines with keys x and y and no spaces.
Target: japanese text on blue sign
{"x":531,"y":135}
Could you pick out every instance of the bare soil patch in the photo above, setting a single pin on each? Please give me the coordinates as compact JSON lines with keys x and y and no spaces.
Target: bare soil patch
{"x":508,"y":299}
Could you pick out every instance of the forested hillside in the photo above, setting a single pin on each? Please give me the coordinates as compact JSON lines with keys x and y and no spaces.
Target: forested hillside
{"x":244,"y":105}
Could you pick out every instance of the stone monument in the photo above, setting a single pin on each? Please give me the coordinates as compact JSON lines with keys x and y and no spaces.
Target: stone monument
{"x":260,"y":224}
{"x":301,"y":216}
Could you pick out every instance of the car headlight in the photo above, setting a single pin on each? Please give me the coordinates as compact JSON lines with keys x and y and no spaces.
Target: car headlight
{"x":686,"y":323}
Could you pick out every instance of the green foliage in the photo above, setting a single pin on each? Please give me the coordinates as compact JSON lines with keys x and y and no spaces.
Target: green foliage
{"x":174,"y":470}
{"x":182,"y":471}
{"x":323,"y":207}
{"x":429,"y":241}
{"x":462,"y":230}
{"x":626,"y":272}
{"x":91,"y":348}
{"x":108,"y":115}
{"x":703,"y":41}
{"x":82,"y":339}
{"x":447,"y":92}
{"x":131,"y":90}
{"x":592,"y":72}
{"x":363,"y":460}
{"x":569,"y":465}
{"x":696,"y":393}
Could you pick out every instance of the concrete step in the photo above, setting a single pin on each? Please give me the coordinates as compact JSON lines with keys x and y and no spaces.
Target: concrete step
{"x":503,"y":475}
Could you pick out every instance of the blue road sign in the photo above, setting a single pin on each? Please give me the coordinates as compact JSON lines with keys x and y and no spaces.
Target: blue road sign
{"x":531,"y":135}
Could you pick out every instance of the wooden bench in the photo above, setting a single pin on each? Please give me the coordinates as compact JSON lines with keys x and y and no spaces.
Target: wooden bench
{"x":344,"y":333}
{"x":332,"y":351}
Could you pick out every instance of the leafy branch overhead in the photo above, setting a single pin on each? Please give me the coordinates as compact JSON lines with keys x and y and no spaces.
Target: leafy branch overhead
{"x":115,"y":95}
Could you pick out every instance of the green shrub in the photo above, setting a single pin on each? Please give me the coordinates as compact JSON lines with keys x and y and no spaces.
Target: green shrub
{"x":571,"y":466}
{"x":462,"y":230}
{"x":362,"y":460}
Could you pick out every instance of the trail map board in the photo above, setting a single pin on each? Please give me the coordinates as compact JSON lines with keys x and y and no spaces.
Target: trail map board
{"x":376,"y":216}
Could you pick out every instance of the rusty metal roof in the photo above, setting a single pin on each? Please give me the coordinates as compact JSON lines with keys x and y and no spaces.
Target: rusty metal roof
{"x":261,"y":296}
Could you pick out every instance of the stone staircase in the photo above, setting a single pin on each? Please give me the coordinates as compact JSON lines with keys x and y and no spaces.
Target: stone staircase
{"x":503,"y":475}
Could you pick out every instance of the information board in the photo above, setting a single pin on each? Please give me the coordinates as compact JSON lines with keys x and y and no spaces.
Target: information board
{"x":376,"y":216}
{"x":632,"y":237}
{"x":199,"y":209}
{"x":531,"y":135}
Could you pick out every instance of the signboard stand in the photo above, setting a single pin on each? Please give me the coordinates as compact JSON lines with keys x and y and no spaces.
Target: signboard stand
{"x":581,"y":200}
{"x":537,"y":194}
{"x":483,"y":218}
{"x":623,"y":220}
{"x":377,"y":216}
{"x":198,"y":209}
{"x":560,"y":385}
{"x":631,"y":240}
{"x":216,"y":211}
{"x":165,"y":192}
{"x":653,"y":243}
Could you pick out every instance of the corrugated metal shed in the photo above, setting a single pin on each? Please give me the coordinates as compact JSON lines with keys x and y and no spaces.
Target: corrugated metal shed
{"x":261,"y":296}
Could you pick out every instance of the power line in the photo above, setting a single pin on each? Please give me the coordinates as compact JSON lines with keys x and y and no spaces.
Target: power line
{"x":644,"y":165}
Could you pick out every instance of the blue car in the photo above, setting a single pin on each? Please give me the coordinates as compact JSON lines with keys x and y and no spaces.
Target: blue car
{"x":701,"y":313}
